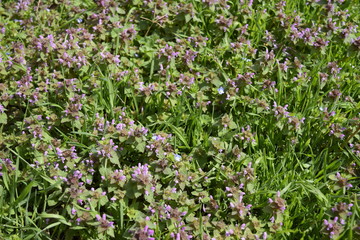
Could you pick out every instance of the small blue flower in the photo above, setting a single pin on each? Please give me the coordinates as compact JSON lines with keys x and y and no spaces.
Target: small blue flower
{"x":221,"y":90}
{"x":79,"y":20}
{"x":177,"y":157}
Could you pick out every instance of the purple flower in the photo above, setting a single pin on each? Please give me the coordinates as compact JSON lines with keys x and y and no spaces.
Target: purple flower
{"x":22,"y":5}
{"x":247,"y":134}
{"x":342,"y":181}
{"x":335,"y":93}
{"x":2,"y":109}
{"x":269,"y":55}
{"x":280,"y":111}
{"x":284,"y":66}
{"x":8,"y":164}
{"x":190,"y":56}
{"x":229,"y":233}
{"x":265,"y":235}
{"x":334,"y":68}
{"x":246,"y":78}
{"x":295,"y":122}
{"x":224,"y":23}
{"x":168,"y":51}
{"x":269,"y":84}
{"x":141,"y":174}
{"x":116,"y":59}
{"x":145,"y":233}
{"x":277,"y":204}
{"x":332,"y":228}
{"x":104,"y":223}
{"x":73,"y":211}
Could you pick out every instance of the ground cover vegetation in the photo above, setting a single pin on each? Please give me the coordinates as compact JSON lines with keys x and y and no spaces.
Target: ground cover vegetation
{"x":187,"y":119}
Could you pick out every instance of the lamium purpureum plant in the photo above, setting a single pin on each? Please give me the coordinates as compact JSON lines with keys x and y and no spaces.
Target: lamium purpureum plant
{"x":161,"y":119}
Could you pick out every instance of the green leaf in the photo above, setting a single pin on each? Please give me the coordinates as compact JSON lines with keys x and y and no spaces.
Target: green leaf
{"x":65,"y":222}
{"x":120,"y":10}
{"x":77,"y":124}
{"x":114,"y":158}
{"x":141,"y":147}
{"x":77,"y":228}
{"x":51,"y":202}
{"x":52,"y":215}
{"x":110,"y":232}
{"x":48,"y":227}
{"x":179,"y":134}
{"x":3,"y":118}
{"x":217,"y":82}
{"x":24,"y":193}
{"x":64,"y":120}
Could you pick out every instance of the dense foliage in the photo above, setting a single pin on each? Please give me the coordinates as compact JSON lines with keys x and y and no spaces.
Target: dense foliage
{"x":179,"y":119}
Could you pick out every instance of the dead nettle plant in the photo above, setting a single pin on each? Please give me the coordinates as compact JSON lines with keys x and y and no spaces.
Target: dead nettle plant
{"x":157,"y":119}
